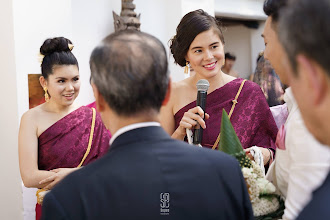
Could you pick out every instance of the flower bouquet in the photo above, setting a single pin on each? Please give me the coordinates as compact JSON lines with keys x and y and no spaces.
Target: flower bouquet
{"x":266,"y":203}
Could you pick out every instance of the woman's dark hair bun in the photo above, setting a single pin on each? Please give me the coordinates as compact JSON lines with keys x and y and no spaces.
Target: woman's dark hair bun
{"x":57,"y":44}
{"x":56,"y":51}
{"x":177,"y":51}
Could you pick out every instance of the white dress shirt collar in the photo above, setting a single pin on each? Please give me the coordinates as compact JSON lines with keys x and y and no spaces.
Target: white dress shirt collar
{"x":131,"y":127}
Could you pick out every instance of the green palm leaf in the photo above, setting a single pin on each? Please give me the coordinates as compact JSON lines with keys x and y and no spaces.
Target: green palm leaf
{"x":229,"y":142}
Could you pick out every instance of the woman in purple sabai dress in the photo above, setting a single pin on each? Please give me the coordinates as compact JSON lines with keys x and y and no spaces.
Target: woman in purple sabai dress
{"x":199,"y":43}
{"x":58,"y":137}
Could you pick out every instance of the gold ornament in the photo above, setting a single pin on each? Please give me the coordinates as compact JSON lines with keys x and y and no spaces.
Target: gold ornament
{"x":70,"y":46}
{"x":46,"y":94}
{"x":186,"y":68}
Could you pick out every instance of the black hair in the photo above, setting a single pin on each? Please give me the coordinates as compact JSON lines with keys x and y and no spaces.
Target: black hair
{"x":230,"y":56}
{"x":56,"y":51}
{"x":190,"y":26}
{"x":272,"y":8}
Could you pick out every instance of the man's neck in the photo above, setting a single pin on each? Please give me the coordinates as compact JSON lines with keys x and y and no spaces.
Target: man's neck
{"x":116,"y":121}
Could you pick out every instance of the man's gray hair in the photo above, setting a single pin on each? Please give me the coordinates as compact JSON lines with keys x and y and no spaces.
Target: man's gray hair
{"x":130,"y":70}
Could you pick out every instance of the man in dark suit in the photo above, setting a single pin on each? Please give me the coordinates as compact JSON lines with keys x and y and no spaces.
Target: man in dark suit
{"x":305,"y":35}
{"x":145,"y":174}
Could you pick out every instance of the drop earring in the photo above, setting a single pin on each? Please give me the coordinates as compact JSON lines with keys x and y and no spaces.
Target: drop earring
{"x":46,"y":94}
{"x":186,"y":68}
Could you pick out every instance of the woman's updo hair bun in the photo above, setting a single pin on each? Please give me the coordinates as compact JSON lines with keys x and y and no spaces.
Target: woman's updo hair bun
{"x":57,"y":44}
{"x":177,"y":51}
{"x":192,"y":24}
{"x":56,"y":51}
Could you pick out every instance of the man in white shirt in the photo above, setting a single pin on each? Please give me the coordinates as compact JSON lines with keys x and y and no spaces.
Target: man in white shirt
{"x":146,"y":174}
{"x":305,"y":35}
{"x":301,"y":163}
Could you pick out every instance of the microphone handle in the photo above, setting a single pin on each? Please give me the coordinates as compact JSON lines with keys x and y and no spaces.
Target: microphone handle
{"x":198,"y":132}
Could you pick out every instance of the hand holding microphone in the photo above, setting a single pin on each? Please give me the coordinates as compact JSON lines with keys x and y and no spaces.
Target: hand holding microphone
{"x":202,"y":87}
{"x":195,"y":117}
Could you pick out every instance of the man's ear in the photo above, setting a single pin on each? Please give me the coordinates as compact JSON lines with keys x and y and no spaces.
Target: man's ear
{"x":315,"y":78}
{"x":99,"y":100}
{"x":168,"y":93}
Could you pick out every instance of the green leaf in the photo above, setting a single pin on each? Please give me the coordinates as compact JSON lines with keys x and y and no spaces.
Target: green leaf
{"x":229,"y":142}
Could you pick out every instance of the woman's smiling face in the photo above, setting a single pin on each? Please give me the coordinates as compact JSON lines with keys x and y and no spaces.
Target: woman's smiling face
{"x":63,"y":84}
{"x":206,"y":54}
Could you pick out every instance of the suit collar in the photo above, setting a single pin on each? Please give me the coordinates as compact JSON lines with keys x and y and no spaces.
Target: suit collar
{"x":140,"y":134}
{"x":131,"y":127}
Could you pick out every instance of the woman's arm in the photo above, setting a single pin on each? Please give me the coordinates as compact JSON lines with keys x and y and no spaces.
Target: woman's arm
{"x":28,"y":155}
{"x":28,"y":152}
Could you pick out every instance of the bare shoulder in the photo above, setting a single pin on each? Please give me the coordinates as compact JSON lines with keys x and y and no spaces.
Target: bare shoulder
{"x":228,"y":78}
{"x":181,"y":85}
{"x":30,"y":119}
{"x":31,"y":114}
{"x":183,"y":93}
{"x":178,"y":92}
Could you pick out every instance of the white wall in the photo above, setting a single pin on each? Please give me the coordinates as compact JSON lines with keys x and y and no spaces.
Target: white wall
{"x":243,"y":9}
{"x":10,"y":188}
{"x":257,"y":43}
{"x":91,"y":22}
{"x":246,"y":44}
{"x":237,"y":41}
{"x":34,"y":22}
{"x":160,"y":18}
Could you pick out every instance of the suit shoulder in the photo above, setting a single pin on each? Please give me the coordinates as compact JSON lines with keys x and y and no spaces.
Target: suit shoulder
{"x":219,"y":157}
{"x":214,"y":156}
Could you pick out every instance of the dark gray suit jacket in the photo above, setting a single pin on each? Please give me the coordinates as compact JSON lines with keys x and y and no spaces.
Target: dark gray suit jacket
{"x":148,"y":175}
{"x":319,"y":206}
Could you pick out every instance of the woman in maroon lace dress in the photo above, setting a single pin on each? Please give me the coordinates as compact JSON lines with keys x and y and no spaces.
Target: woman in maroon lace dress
{"x":199,"y":42}
{"x":54,"y":136}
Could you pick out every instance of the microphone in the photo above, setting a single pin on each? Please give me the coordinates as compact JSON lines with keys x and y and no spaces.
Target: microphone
{"x":202,"y":87}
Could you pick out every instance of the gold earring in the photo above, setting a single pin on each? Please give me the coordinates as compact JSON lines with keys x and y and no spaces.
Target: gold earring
{"x":186,"y":68}
{"x":46,"y":94}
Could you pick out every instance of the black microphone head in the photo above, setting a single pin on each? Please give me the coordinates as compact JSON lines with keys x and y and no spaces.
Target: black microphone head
{"x":202,"y":85}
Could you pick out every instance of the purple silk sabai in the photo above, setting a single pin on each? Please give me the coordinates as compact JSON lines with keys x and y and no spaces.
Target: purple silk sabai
{"x":64,"y":144}
{"x":251,"y":119}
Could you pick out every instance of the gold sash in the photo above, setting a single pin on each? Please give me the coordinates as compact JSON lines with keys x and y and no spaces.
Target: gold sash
{"x":230,"y":113}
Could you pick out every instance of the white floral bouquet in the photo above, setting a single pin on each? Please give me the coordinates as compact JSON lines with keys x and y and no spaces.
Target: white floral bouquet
{"x":266,"y":203}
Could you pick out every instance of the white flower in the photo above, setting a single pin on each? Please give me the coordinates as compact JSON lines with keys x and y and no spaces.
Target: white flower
{"x":265,"y":186}
{"x":257,"y":186}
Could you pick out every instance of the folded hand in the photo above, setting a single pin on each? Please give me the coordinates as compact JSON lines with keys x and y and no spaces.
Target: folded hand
{"x":59,"y":174}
